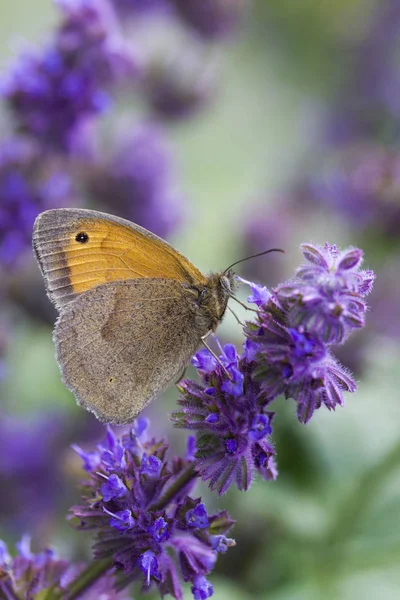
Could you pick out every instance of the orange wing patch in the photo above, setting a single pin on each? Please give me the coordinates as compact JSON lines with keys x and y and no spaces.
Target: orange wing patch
{"x":79,"y":250}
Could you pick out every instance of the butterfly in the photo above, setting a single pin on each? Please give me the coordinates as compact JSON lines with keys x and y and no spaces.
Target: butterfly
{"x":132,"y":309}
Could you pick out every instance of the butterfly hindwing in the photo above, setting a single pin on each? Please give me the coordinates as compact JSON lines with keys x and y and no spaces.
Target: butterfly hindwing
{"x":121,"y":344}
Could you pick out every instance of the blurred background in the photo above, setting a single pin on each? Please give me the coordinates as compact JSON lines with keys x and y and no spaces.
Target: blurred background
{"x":230,"y":129}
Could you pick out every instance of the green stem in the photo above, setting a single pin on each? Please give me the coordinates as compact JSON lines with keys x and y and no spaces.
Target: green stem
{"x":173,"y":489}
{"x":85,"y":579}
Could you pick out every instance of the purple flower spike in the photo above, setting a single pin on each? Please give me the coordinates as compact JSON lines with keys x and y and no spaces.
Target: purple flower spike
{"x":29,"y":575}
{"x":287,"y":351}
{"x":157,"y":546}
{"x":28,"y":185}
{"x":231,"y":421}
{"x":202,"y":589}
{"x":52,"y":93}
{"x":289,"y":342}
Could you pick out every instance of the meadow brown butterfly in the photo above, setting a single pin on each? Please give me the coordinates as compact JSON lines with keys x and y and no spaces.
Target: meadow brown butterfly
{"x":133,"y":310}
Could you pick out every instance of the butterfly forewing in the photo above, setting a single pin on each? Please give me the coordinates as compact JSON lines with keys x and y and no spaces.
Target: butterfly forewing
{"x":80,"y":249}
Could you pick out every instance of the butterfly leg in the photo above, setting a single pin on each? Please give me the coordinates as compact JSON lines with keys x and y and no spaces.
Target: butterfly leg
{"x":242,"y":304}
{"x":203,"y":339}
{"x":235,"y":315}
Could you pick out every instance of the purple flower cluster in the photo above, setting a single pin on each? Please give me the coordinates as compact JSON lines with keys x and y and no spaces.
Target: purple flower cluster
{"x":140,"y":507}
{"x":53,"y":93}
{"x":29,"y":575}
{"x":301,"y":319}
{"x":137,"y":182}
{"x":27,"y":186}
{"x":287,"y":351}
{"x":228,"y":410}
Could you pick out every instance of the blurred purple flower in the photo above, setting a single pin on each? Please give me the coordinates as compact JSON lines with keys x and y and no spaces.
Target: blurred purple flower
{"x":362,"y":182}
{"x":32,"y":480}
{"x":30,"y":575}
{"x":230,"y":418}
{"x":212,"y":19}
{"x":378,"y":73}
{"x":28,"y":185}
{"x":137,"y":7}
{"x":137,"y":183}
{"x":52,"y":93}
{"x":272,"y":227}
{"x":154,"y":531}
{"x":33,"y":468}
{"x":178,"y":87}
{"x":367,"y":104}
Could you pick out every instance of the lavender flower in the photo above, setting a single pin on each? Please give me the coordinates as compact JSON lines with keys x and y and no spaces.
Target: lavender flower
{"x":53,"y":93}
{"x":137,"y":182}
{"x":367,"y":105}
{"x":178,"y":87}
{"x":30,"y":575}
{"x":28,"y":185}
{"x":322,"y":305}
{"x":362,"y":182}
{"x":144,"y":518}
{"x":286,"y":352}
{"x":230,"y":417}
{"x":327,"y":295}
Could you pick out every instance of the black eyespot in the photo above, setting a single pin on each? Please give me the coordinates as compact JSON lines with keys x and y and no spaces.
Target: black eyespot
{"x":82,"y":237}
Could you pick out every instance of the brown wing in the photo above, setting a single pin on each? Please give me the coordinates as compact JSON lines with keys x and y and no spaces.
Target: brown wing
{"x":79,"y":249}
{"x":121,"y":344}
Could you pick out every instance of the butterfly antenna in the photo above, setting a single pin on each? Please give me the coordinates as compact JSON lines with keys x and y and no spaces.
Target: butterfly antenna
{"x":253,"y":256}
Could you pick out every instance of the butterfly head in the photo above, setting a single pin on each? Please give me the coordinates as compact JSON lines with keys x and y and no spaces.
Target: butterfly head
{"x":215,"y":295}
